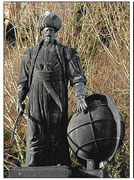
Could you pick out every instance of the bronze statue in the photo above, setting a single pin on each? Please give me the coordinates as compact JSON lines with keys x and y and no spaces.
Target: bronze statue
{"x":45,"y":72}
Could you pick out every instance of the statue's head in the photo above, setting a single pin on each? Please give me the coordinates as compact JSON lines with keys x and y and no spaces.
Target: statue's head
{"x":49,"y":24}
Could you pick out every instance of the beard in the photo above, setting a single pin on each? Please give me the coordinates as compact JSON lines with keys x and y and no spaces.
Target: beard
{"x":48,"y":39}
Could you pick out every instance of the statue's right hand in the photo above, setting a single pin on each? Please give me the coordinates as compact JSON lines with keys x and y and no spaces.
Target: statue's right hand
{"x":82,"y":106}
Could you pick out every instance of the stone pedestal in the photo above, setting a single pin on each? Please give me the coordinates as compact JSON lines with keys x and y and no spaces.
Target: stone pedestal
{"x":53,"y":172}
{"x":40,"y":172}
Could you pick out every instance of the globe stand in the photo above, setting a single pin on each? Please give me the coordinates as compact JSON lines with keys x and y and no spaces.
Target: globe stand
{"x":90,"y":165}
{"x":87,"y":171}
{"x":91,"y":170}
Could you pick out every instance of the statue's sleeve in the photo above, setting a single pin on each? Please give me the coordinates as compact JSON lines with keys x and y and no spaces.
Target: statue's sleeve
{"x":24,"y":76}
{"x":75,"y":72}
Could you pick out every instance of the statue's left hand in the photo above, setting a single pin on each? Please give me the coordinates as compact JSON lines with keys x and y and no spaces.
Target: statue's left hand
{"x":82,"y":106}
{"x":20,"y":107}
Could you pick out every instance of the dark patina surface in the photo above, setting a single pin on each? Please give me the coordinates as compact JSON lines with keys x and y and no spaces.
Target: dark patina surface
{"x":45,"y":72}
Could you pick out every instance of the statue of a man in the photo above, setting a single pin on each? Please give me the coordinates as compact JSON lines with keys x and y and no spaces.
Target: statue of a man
{"x":45,"y":72}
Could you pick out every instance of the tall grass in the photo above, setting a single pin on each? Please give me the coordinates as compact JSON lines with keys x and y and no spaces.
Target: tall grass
{"x":101,"y":36}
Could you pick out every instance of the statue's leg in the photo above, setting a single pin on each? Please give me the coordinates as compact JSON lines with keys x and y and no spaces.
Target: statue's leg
{"x":38,"y":127}
{"x":34,"y":144}
{"x":59,"y":122}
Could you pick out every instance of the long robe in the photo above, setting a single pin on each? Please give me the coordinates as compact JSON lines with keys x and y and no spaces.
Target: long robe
{"x":47,"y":124}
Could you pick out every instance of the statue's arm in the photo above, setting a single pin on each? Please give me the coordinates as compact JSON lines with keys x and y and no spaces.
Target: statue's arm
{"x":23,"y":78}
{"x":77,"y":78}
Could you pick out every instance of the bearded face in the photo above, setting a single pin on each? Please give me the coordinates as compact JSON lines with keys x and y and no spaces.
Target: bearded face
{"x":49,"y":34}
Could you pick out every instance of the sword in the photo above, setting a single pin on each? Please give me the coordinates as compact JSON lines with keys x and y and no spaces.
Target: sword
{"x":54,"y":95}
{"x":17,"y":120}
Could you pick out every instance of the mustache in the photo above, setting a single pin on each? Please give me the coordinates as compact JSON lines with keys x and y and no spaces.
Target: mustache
{"x":48,"y":34}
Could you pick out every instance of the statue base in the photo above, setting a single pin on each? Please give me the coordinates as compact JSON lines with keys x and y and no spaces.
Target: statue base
{"x":40,"y":172}
{"x":53,"y":172}
{"x":83,"y":173}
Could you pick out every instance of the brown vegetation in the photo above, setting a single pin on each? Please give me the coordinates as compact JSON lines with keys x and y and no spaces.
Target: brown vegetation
{"x":101,"y":35}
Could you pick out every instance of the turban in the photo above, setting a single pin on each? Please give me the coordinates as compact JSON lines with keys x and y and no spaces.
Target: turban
{"x":49,"y":19}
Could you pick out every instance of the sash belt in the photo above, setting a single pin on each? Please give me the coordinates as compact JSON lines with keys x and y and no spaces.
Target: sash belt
{"x":46,"y":77}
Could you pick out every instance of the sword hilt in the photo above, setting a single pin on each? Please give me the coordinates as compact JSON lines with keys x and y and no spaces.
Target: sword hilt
{"x":20,"y":113}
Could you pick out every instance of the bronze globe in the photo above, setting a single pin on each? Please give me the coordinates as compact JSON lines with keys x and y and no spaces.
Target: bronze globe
{"x":96,"y":134}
